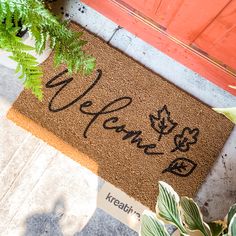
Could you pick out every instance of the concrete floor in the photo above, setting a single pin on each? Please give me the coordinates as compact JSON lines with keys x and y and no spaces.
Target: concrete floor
{"x":43,"y":192}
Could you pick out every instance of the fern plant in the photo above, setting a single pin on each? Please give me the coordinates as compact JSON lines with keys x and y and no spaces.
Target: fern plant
{"x":43,"y":25}
{"x":185,"y":214}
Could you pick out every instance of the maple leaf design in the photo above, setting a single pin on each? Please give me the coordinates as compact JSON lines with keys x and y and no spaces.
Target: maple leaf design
{"x":185,"y":139}
{"x":181,"y":166}
{"x":162,"y":123}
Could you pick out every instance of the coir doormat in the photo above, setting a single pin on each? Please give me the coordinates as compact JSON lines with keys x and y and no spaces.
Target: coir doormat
{"x":125,"y":123}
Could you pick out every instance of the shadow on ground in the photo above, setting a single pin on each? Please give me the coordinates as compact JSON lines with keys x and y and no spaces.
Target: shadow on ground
{"x":100,"y":224}
{"x":47,"y":223}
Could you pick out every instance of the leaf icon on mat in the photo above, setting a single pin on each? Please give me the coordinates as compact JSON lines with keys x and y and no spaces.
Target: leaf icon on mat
{"x":162,"y":123}
{"x":185,"y":139}
{"x":181,"y":166}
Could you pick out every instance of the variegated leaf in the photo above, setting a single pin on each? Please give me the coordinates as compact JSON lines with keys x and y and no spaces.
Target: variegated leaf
{"x":167,"y":206}
{"x":230,"y":113}
{"x":151,"y":226}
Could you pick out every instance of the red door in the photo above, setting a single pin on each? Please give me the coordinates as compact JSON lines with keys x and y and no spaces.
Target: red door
{"x":201,"y":34}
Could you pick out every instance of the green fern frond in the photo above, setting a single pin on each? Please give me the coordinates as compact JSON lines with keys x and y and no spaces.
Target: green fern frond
{"x":43,"y":26}
{"x":30,"y":72}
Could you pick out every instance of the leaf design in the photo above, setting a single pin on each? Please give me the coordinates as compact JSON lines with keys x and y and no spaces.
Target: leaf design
{"x":181,"y":166}
{"x":162,"y":123}
{"x":151,"y":226}
{"x":192,"y":216}
{"x":185,"y":139}
{"x":167,"y":206}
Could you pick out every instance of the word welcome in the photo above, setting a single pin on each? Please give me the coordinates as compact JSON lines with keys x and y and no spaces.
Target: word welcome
{"x":109,"y":123}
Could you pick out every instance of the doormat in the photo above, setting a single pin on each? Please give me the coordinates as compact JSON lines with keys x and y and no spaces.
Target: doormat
{"x":125,"y":123}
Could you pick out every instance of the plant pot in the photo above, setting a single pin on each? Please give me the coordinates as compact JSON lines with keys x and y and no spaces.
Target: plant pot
{"x":29,"y":40}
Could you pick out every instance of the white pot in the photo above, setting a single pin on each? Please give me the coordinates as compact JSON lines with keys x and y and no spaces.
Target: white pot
{"x":29,"y":40}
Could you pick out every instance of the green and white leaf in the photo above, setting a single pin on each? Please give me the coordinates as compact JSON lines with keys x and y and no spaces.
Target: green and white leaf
{"x":192,"y":215}
{"x":232,"y":212}
{"x":151,"y":225}
{"x":216,"y":227}
{"x":167,"y":206}
{"x":230,"y":113}
{"x":232,"y":226}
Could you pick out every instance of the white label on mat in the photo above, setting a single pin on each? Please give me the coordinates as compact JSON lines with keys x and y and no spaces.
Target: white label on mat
{"x":119,"y":205}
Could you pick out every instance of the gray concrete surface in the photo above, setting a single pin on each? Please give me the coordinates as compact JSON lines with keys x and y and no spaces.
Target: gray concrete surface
{"x":43,"y":192}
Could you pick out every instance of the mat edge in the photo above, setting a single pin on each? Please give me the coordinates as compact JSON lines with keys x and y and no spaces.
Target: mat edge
{"x":51,"y":139}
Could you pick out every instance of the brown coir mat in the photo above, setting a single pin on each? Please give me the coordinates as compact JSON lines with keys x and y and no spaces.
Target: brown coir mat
{"x":125,"y":123}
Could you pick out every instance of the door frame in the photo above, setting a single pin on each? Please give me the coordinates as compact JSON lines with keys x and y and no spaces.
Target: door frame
{"x":151,"y":32}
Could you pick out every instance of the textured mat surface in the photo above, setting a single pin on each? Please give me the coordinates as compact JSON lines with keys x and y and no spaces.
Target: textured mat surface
{"x":126,"y":124}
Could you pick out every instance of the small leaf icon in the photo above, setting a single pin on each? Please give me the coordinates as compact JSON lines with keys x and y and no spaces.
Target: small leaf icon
{"x":181,"y":166}
{"x":162,"y":123}
{"x":185,"y":139}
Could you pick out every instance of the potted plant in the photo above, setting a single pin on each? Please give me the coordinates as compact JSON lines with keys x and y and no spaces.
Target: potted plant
{"x":185,"y":215}
{"x":27,"y":30}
